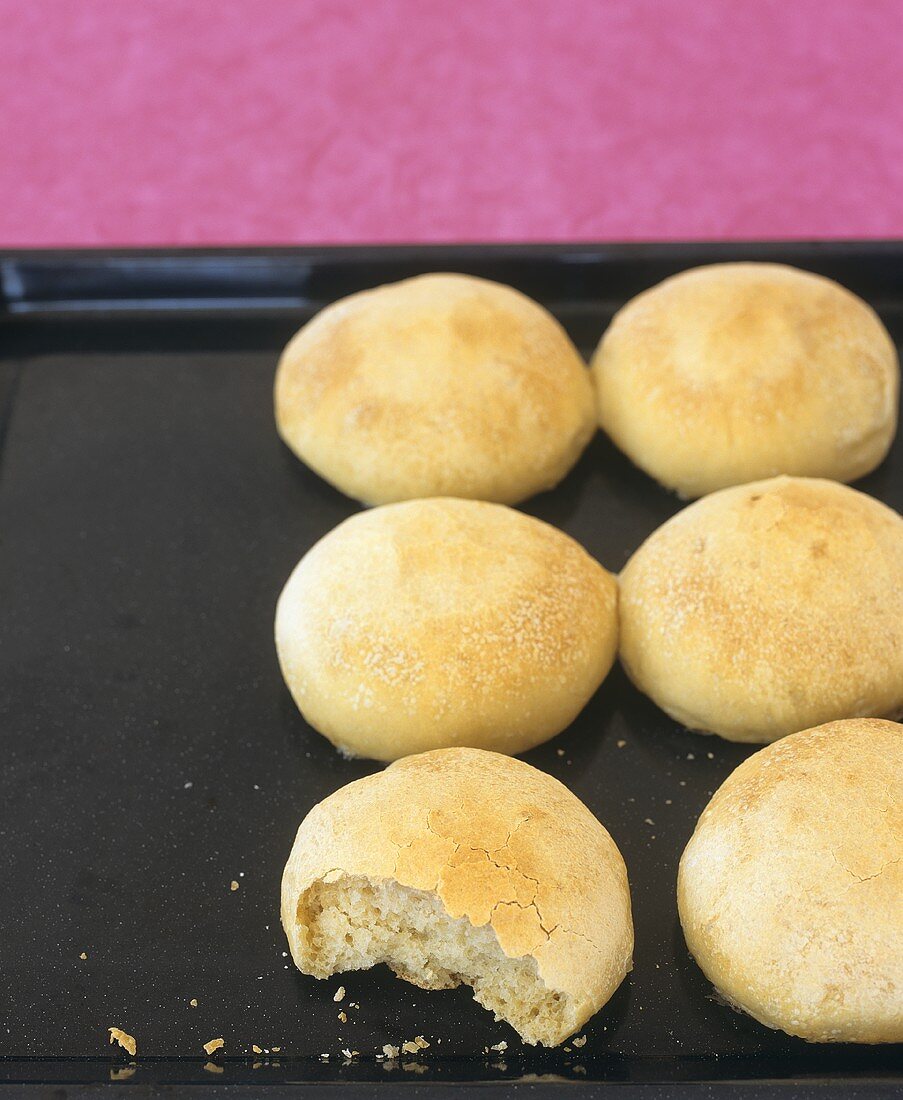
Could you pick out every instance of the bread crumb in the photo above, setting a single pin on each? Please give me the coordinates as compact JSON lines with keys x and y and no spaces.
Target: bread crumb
{"x":193,"y":1002}
{"x":620,"y":744}
{"x":353,"y":1004}
{"x":256,"y":1048}
{"x":126,"y":1041}
{"x":410,"y":1048}
{"x":667,"y":801}
{"x":324,"y":1057}
{"x":500,"y":1046}
{"x":580,"y":1041}
{"x":560,"y":752}
{"x":212,"y":1067}
{"x":233,"y":886}
{"x":343,"y":1018}
{"x":276,"y":1049}
{"x":691,"y":755}
{"x":339,"y":994}
{"x":648,"y":820}
{"x":390,"y":1051}
{"x":83,"y":955}
{"x":710,"y":755}
{"x":421,"y":1042}
{"x":683,"y":782}
{"x":348,"y":1053}
{"x":214,"y":1044}
{"x":121,"y":1073}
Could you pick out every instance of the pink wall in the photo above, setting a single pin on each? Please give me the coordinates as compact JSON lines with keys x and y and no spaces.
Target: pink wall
{"x":217,"y":121}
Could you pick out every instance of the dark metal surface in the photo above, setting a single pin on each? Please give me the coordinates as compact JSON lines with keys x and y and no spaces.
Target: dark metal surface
{"x":151,"y":754}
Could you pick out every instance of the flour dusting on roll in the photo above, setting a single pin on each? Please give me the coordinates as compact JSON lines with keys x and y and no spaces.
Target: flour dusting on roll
{"x":791,"y":890}
{"x":769,"y":608}
{"x":736,"y":372}
{"x":441,"y":385}
{"x":445,"y":622}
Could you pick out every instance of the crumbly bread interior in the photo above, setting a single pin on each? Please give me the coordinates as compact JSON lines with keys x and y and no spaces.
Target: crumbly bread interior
{"x":357,"y":922}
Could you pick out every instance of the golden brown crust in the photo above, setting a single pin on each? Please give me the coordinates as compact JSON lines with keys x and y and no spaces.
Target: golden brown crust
{"x":442,"y":385}
{"x":498,"y":842}
{"x":445,"y":622}
{"x":768,"y":608}
{"x":735,"y":372}
{"x":790,"y":890}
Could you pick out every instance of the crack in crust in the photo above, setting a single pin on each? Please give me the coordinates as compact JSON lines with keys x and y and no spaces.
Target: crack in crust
{"x":508,"y":867}
{"x":505,"y":849}
{"x":511,"y":868}
{"x":867,"y":878}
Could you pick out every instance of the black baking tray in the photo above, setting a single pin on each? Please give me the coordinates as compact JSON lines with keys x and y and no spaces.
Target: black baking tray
{"x":151,"y":754}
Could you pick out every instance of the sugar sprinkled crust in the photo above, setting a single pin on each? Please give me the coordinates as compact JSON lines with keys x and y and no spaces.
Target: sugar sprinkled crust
{"x":509,"y":859}
{"x":445,"y":622}
{"x":769,"y":608}
{"x":790,"y":890}
{"x":441,"y":385}
{"x":735,"y":372}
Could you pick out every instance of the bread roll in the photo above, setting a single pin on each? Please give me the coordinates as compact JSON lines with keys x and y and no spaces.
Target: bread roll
{"x":443,"y":385}
{"x":465,"y":866}
{"x":791,"y":889}
{"x":444,"y":622}
{"x":769,"y":608}
{"x":736,"y":372}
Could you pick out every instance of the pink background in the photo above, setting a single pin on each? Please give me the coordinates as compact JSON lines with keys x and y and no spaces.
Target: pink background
{"x":256,"y":121}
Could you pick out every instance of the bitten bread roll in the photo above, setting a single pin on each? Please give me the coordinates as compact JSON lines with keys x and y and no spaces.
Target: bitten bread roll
{"x":791,"y":889}
{"x":444,"y":622}
{"x":769,"y":608}
{"x":736,"y":372}
{"x":443,"y":385}
{"x":465,"y":866}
